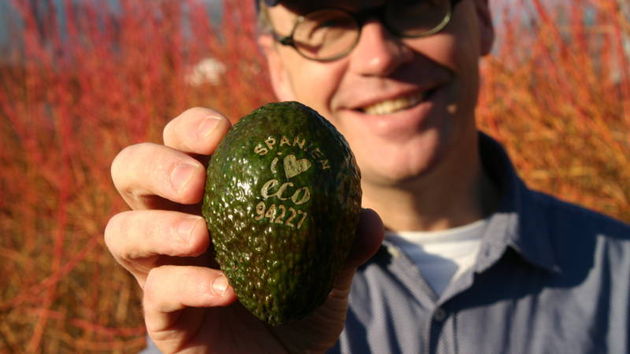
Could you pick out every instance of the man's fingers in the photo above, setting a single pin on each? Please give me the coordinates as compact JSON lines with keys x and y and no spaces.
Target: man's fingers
{"x":151,"y":176}
{"x":169,"y":289}
{"x":143,"y":171}
{"x":197,"y":130}
{"x":142,"y":240}
{"x":141,"y":234}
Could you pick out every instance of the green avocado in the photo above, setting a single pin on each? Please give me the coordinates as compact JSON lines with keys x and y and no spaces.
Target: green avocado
{"x":282,"y":203}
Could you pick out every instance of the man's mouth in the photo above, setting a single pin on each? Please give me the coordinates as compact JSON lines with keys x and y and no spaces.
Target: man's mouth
{"x":397,"y":104}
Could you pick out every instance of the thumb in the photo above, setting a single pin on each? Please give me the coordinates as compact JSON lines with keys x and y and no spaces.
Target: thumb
{"x":370,"y":233}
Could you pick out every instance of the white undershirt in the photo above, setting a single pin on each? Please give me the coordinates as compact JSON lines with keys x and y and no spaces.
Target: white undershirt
{"x":442,"y":256}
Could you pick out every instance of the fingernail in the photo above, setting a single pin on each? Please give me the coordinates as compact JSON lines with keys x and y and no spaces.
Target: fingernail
{"x":181,"y":175}
{"x":220,"y":285}
{"x":186,"y":227}
{"x":207,"y":126}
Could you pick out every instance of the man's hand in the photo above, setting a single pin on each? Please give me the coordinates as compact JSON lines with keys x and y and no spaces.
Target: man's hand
{"x":164,"y":243}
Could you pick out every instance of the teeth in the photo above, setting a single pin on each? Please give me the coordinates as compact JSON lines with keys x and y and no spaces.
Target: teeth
{"x":397,"y":104}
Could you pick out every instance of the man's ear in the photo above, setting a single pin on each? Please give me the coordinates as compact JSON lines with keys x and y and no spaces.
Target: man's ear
{"x":277,"y":71}
{"x":486,"y":28}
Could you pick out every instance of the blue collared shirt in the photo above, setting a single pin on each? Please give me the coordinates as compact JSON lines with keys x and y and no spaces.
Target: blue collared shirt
{"x":550,"y":277}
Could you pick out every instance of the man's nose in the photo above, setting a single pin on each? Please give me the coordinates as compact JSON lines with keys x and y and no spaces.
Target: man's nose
{"x":378,"y":52}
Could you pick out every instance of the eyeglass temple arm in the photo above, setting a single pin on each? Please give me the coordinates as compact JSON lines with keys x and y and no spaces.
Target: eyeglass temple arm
{"x":284,"y":40}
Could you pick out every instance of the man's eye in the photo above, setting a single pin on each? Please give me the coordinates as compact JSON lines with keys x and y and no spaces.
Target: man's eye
{"x":324,"y":27}
{"x":327,"y":24}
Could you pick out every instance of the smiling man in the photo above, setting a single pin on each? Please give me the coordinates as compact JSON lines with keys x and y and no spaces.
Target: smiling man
{"x":472,"y":260}
{"x":403,"y":94}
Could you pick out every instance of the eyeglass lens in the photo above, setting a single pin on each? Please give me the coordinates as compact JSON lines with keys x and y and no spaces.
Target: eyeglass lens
{"x":331,"y":33}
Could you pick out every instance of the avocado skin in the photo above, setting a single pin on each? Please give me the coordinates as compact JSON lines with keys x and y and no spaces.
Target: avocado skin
{"x":282,"y":262}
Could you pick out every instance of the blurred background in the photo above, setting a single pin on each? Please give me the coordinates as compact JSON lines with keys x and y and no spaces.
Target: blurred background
{"x":81,"y":79}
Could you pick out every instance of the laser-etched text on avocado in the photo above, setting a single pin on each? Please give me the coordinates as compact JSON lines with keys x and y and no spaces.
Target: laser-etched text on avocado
{"x":280,"y":196}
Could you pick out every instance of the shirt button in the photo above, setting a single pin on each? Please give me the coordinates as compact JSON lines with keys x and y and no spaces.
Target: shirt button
{"x":439,"y":314}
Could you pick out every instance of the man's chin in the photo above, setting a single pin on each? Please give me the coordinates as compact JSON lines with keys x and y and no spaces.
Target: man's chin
{"x":400,"y":178}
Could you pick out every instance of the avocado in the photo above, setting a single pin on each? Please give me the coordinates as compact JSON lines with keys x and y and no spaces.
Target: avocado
{"x":282,"y":203}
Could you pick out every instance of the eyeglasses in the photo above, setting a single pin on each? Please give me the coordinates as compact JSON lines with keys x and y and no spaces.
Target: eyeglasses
{"x":331,"y":33}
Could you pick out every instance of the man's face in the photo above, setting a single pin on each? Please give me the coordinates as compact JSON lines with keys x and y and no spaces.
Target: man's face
{"x":404,"y":105}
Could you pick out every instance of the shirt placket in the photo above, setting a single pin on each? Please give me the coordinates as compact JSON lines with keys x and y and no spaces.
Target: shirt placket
{"x":442,"y":336}
{"x":438,"y":316}
{"x":440,"y":332}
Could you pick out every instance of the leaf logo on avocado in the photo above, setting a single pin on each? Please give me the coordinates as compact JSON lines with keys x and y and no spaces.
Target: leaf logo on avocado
{"x":293,"y":166}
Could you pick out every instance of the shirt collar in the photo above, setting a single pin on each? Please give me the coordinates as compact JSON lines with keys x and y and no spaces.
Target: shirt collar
{"x":519,"y":223}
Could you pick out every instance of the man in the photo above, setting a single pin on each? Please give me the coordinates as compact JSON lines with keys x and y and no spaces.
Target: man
{"x":472,"y":261}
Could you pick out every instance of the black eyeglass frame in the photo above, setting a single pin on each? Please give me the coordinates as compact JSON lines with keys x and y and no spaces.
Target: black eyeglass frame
{"x":360,"y":18}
